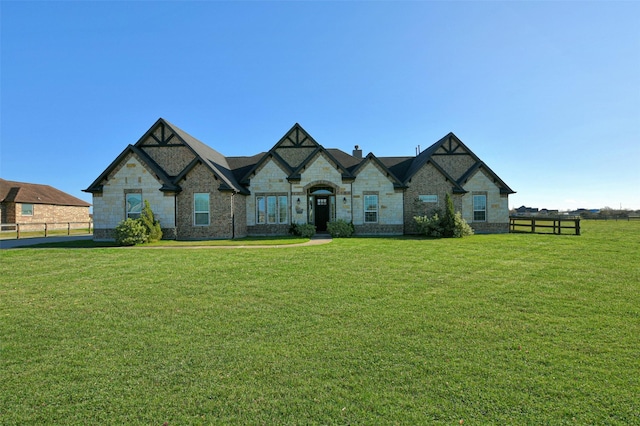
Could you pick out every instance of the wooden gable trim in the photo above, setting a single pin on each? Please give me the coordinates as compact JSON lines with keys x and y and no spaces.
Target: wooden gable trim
{"x":145,"y":160}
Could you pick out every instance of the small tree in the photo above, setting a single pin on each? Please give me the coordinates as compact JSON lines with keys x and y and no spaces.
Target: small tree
{"x":449,"y":218}
{"x":150,"y":223}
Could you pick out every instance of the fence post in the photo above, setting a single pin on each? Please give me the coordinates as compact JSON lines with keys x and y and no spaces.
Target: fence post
{"x":45,"y":229}
{"x":577,"y":226}
{"x":17,"y":231}
{"x":68,"y":228}
{"x":533,"y":225}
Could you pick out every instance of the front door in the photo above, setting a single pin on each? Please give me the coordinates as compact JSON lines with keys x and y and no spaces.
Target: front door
{"x":322,"y":213}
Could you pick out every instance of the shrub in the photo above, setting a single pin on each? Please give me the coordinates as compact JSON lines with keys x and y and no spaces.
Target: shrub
{"x":130,"y":232}
{"x":150,"y":223}
{"x":304,"y":230}
{"x":447,"y":225}
{"x":340,"y":228}
{"x":430,"y":226}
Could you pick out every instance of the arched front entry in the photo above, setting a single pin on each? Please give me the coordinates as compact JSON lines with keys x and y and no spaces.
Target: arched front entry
{"x":322,"y":206}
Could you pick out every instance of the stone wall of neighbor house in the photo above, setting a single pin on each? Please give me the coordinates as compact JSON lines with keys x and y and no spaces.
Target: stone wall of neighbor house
{"x":130,"y":175}
{"x":47,"y":213}
{"x":372,"y":180}
{"x":7,"y":212}
{"x":497,"y":205}
{"x":427,"y":181}
{"x":202,"y":179}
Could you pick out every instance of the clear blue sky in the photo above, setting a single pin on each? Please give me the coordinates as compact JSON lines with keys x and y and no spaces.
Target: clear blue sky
{"x":546,"y":93}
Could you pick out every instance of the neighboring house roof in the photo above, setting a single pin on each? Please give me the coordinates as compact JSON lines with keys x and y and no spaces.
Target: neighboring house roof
{"x":32,"y":193}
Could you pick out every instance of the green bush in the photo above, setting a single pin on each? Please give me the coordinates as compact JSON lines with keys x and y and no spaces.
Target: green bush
{"x":130,"y":232}
{"x":340,"y":228}
{"x":150,"y":223}
{"x":447,"y":225}
{"x":304,"y":230}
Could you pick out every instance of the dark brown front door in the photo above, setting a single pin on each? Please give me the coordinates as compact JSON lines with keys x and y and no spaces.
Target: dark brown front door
{"x":322,"y":213}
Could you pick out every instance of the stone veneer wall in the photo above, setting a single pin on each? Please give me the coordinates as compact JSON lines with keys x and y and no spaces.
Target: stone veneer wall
{"x":427,"y":181}
{"x":497,"y":205}
{"x":202,"y":179}
{"x":109,"y":206}
{"x":371,"y":179}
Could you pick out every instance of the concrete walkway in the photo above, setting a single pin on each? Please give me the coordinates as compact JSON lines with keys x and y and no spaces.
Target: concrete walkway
{"x":23,"y":242}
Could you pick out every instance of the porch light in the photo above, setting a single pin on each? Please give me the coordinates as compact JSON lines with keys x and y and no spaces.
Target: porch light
{"x":344,"y":200}
{"x":298,"y":201}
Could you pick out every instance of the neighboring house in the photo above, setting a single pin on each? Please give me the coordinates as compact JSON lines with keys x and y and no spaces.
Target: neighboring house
{"x":33,"y":203}
{"x":197,"y":193}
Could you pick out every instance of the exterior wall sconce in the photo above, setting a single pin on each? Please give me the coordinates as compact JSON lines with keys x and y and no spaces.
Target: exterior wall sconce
{"x":298,"y":201}
{"x":344,"y":200}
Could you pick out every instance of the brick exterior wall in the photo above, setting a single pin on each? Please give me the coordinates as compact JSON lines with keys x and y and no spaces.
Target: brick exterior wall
{"x":455,"y":165}
{"x":427,"y":181}
{"x":202,"y":180}
{"x":172,"y":158}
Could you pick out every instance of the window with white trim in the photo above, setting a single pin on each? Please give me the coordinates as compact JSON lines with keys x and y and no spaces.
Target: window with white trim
{"x":479,"y":208}
{"x":370,"y":208}
{"x":272,"y":209}
{"x":133,"y":204}
{"x":201,"y":214}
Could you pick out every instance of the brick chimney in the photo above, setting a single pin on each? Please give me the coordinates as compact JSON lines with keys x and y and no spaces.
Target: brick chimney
{"x":357,"y":152}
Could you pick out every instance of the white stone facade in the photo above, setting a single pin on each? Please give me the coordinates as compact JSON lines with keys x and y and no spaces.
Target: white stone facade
{"x":109,"y":206}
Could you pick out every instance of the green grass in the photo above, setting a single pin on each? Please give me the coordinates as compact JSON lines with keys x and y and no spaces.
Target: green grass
{"x":490,"y":329}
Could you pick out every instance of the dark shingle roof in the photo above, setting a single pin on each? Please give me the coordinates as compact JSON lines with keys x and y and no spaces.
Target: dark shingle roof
{"x":32,"y":193}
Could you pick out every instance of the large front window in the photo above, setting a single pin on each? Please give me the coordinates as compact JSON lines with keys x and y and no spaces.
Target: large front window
{"x":479,"y":208}
{"x":133,"y":205}
{"x":272,"y":209}
{"x":201,"y":209}
{"x":371,"y":208}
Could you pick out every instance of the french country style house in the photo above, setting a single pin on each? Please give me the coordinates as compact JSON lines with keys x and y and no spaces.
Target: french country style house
{"x":197,"y":193}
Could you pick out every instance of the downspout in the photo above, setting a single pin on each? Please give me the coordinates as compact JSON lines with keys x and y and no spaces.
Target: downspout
{"x":233,"y":216}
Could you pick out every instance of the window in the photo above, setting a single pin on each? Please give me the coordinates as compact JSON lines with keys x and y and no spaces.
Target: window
{"x":479,"y":208}
{"x":272,"y":209}
{"x":370,"y":208}
{"x":27,"y":210}
{"x":133,"y":204}
{"x":201,"y":209}
{"x":283,"y":209}
{"x":428,"y":198}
